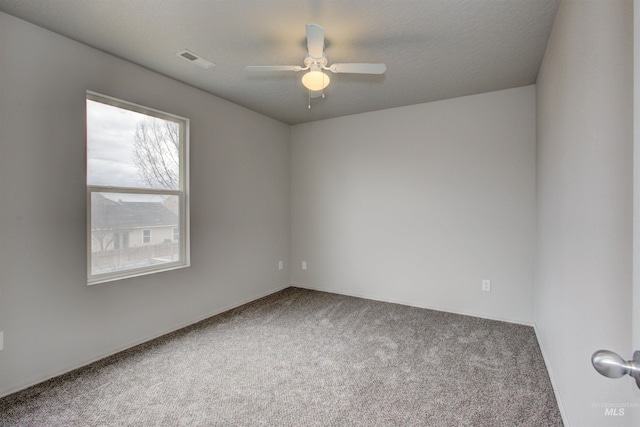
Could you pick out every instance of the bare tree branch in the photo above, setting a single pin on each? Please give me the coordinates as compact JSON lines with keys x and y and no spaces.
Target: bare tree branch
{"x":156,"y":153}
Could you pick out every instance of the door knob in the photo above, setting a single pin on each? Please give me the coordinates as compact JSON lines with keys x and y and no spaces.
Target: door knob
{"x":611,"y":365}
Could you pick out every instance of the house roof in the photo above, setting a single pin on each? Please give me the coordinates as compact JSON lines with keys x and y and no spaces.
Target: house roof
{"x":110,"y":214}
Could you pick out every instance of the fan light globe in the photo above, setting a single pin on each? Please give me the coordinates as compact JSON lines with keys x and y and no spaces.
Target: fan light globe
{"x":315,"y":80}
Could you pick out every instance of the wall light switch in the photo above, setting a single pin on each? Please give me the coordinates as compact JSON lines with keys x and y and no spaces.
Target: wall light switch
{"x":280,"y":265}
{"x":486,"y":285}
{"x":1,"y":340}
{"x":304,"y":265}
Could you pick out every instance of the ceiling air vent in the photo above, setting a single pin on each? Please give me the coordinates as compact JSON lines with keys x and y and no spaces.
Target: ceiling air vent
{"x":195,"y":59}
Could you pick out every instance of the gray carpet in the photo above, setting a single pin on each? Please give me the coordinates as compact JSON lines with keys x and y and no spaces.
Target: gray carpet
{"x":307,"y":358}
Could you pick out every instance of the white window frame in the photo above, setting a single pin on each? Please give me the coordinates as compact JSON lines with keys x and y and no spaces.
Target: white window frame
{"x":143,"y":236}
{"x":182,"y":193}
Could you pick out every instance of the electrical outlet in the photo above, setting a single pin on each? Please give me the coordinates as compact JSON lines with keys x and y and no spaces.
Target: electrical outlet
{"x":304,"y":265}
{"x":280,"y":265}
{"x":486,"y":285}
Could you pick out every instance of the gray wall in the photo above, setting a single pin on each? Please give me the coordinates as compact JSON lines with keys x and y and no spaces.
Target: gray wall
{"x":53,"y":321}
{"x":636,"y":178}
{"x":584,"y":204}
{"x":419,"y":204}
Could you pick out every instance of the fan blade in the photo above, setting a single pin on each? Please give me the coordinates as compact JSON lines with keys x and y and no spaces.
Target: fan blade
{"x":273,"y":68}
{"x":358,"y":68}
{"x":315,"y":40}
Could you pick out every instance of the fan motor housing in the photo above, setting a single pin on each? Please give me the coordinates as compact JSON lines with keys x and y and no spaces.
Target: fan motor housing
{"x":319,"y":62}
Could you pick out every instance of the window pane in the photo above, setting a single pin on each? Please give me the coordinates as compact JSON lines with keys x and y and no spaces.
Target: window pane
{"x":130,"y":149}
{"x":137,"y":178}
{"x":131,"y":231}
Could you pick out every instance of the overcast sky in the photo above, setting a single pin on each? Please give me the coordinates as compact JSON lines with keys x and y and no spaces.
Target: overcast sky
{"x":110,"y":133}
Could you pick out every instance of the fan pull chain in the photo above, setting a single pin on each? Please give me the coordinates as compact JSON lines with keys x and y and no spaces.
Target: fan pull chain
{"x":321,"y":92}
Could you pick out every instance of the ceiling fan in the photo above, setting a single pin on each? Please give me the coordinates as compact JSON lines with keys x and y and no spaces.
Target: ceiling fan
{"x":315,"y":61}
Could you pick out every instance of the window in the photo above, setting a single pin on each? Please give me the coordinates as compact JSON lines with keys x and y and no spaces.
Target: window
{"x":137,"y":190}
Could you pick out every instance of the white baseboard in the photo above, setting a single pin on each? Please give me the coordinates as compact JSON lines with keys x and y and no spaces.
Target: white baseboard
{"x":556,"y":392}
{"x":189,"y":322}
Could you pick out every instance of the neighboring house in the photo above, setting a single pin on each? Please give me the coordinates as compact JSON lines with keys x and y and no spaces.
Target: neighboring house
{"x":132,"y":232}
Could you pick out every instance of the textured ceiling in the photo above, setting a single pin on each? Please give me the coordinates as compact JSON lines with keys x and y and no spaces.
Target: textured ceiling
{"x":433,"y":49}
